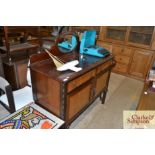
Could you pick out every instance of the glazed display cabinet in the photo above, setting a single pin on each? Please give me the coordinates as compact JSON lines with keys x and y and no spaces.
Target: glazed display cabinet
{"x":132,"y":46}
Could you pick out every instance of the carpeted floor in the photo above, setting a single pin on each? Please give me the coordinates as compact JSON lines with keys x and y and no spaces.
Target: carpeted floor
{"x":123,"y":94}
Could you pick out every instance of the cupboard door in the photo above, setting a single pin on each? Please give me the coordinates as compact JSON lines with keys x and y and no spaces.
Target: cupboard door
{"x":140,"y":63}
{"x":141,"y":35}
{"x":21,"y":71}
{"x":78,"y":99}
{"x":101,"y":82}
{"x":116,"y":33}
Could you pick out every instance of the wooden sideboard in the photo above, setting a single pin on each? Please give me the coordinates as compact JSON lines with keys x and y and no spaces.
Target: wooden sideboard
{"x":67,"y":94}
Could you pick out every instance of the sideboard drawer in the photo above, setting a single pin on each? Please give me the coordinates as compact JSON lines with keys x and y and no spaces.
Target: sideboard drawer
{"x":127,"y":51}
{"x":121,"y":68}
{"x":104,"y":66}
{"x":80,"y":80}
{"x":122,"y":59}
{"x":120,"y":50}
{"x":117,"y":50}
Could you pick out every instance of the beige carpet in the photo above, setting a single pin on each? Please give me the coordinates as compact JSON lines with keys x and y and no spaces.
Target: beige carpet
{"x":123,"y":94}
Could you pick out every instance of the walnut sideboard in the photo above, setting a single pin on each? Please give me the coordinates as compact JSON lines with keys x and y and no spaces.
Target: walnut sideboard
{"x":67,"y":94}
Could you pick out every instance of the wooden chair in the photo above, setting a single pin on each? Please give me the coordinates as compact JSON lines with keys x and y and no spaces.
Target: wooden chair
{"x":14,"y":100}
{"x":6,"y":88}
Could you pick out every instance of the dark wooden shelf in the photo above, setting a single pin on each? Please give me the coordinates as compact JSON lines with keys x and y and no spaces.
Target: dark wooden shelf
{"x":18,"y":47}
{"x":19,"y":29}
{"x":52,"y":39}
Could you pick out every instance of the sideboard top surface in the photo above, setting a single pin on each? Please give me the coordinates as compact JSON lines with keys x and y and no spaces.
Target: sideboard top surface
{"x":47,"y":67}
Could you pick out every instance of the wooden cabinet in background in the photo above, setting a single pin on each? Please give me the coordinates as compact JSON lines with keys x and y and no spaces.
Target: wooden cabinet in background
{"x":132,"y":46}
{"x":16,"y":73}
{"x":140,"y":63}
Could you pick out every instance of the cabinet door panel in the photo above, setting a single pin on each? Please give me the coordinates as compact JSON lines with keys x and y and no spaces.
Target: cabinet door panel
{"x":78,"y":99}
{"x":141,"y":35}
{"x":101,"y":82}
{"x":116,"y":33}
{"x":140,"y":63}
{"x":22,"y":73}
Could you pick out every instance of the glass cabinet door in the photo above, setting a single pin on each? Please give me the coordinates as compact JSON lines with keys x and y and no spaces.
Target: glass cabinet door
{"x":116,"y":32}
{"x":141,"y":34}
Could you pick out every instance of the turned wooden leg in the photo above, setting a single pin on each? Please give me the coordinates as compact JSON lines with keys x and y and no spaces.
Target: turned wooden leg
{"x":64,"y":126}
{"x":103,"y":96}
